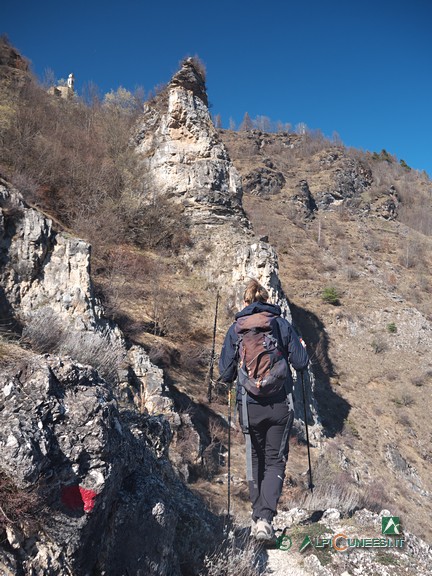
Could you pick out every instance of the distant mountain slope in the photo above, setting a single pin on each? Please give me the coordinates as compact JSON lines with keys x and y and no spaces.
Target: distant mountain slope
{"x":345,"y":221}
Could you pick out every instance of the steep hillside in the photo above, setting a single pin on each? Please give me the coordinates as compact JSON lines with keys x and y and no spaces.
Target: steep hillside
{"x":343,"y":224}
{"x":177,"y":214}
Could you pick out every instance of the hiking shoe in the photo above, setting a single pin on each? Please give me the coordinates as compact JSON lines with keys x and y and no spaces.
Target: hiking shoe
{"x":264,"y":530}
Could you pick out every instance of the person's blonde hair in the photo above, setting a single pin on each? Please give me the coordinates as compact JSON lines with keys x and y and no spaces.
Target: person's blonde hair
{"x":254,"y":292}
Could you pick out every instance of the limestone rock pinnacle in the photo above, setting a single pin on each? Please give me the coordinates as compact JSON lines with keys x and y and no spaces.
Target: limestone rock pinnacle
{"x":191,"y":77}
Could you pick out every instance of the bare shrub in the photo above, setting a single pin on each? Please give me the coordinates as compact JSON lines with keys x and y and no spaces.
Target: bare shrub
{"x":336,"y":487}
{"x":312,"y":141}
{"x":403,"y":420}
{"x":73,"y":159}
{"x":97,"y":350}
{"x":159,"y":224}
{"x":197,"y":358}
{"x":16,"y":504}
{"x":169,"y":315}
{"x":404,"y":400}
{"x":338,"y":492}
{"x":374,"y":496}
{"x":234,"y":557}
{"x":213,"y":455}
{"x":350,"y":429}
{"x":46,"y":332}
{"x":407,"y":400}
{"x":418,"y":381}
{"x":119,"y":276}
{"x":373,"y":244}
{"x":351,"y":273}
{"x":417,"y":216}
{"x":390,"y":278}
{"x":379,"y":345}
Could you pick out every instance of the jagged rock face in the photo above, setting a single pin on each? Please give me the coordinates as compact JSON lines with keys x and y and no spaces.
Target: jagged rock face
{"x":149,"y":385}
{"x":264,"y":181}
{"x":114,"y":504}
{"x":46,"y":286}
{"x":182,"y":153}
{"x":350,"y":179}
{"x":183,"y":157}
{"x":304,"y":197}
{"x":260,"y":260}
{"x":40,"y":267}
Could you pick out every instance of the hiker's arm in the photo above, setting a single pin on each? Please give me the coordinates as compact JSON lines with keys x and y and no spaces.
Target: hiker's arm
{"x":228,"y":357}
{"x":297,"y":355}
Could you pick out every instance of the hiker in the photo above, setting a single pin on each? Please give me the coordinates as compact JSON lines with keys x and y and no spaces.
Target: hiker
{"x":264,"y":396}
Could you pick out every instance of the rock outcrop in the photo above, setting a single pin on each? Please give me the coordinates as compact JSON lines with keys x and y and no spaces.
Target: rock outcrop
{"x":47,"y":295}
{"x":349,"y":179}
{"x":304,"y":197}
{"x":183,"y":158}
{"x":264,"y":181}
{"x":108,"y":499}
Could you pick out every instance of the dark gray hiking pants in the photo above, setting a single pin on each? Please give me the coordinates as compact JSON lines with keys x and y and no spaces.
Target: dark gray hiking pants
{"x":269,"y":426}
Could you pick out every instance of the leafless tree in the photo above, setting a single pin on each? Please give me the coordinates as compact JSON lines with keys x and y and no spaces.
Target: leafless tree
{"x":218,"y":121}
{"x":246,"y":123}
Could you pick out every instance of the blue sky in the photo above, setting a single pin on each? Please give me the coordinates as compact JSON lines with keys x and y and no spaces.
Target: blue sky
{"x":360,"y":68}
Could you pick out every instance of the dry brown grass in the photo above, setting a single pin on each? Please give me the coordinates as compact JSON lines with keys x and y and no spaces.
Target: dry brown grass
{"x":47,"y":333}
{"x":237,"y":556}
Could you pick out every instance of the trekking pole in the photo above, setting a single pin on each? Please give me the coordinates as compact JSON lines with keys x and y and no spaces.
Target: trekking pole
{"x":307,"y":432}
{"x":210,"y":375}
{"x":228,"y":520}
{"x":229,"y":453}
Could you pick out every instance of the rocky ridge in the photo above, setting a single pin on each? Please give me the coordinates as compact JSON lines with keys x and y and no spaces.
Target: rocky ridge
{"x":47,"y":294}
{"x":96,"y":466}
{"x":183,"y":158}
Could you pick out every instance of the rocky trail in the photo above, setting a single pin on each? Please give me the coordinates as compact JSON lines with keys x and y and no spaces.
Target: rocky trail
{"x":336,"y":546}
